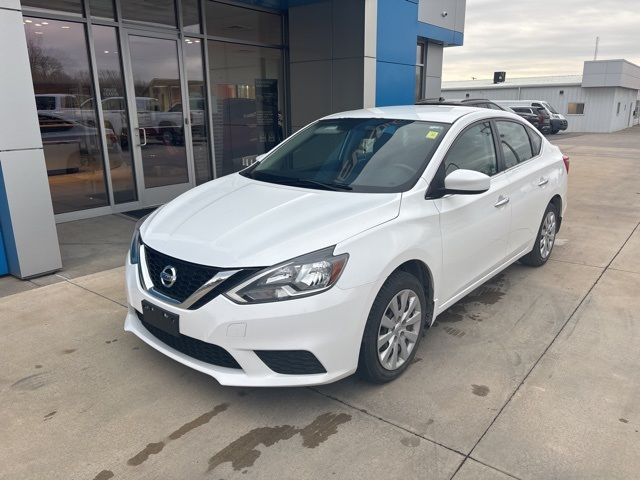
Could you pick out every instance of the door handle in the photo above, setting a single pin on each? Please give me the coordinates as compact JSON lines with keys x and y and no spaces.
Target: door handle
{"x":144,"y":135}
{"x":502,"y":200}
{"x":543,"y":181}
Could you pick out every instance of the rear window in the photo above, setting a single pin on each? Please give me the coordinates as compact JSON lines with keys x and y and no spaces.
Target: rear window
{"x":536,"y":141}
{"x":515,"y":143}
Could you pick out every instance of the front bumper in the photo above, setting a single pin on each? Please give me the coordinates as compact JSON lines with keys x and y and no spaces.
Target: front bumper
{"x":329,"y":325}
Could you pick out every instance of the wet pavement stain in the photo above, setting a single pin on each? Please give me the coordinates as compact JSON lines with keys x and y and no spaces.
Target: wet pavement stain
{"x":37,"y":366}
{"x":156,"y":447}
{"x":488,"y":294}
{"x":32,"y":382}
{"x":68,"y":351}
{"x":143,"y":455}
{"x":104,"y":475}
{"x":198,"y":422}
{"x":242,"y":453}
{"x":480,"y":390}
{"x":111,"y":341}
{"x":322,"y":428}
{"x":623,"y":420}
{"x":50,"y":415}
{"x":454,"y":331}
{"x":416,"y":360}
{"x":410,"y":441}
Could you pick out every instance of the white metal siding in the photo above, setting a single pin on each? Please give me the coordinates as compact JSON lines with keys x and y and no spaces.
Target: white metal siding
{"x":600,"y":103}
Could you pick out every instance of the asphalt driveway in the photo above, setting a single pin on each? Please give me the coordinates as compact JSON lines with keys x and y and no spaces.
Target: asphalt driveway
{"x":534,"y":375}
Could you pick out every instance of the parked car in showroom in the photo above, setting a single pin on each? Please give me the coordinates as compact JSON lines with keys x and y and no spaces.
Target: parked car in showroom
{"x":543,"y":119}
{"x":336,"y":250}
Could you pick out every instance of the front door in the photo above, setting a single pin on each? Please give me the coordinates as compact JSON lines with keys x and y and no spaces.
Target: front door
{"x":475,"y":228}
{"x":156,"y":102}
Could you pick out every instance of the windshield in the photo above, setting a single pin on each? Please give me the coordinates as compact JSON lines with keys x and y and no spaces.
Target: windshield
{"x":549,"y":107}
{"x":359,"y":154}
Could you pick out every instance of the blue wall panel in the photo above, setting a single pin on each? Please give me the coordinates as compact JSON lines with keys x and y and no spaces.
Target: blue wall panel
{"x":395,"y":84}
{"x":4,"y":267}
{"x":398,"y":31}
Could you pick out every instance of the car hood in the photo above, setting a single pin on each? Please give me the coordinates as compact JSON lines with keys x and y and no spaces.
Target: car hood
{"x":235,"y":221}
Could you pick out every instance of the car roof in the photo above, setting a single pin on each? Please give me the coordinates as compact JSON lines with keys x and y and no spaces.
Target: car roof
{"x":429,"y":113}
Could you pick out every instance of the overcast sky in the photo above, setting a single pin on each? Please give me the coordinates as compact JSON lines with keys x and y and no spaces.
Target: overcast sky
{"x":542,"y":37}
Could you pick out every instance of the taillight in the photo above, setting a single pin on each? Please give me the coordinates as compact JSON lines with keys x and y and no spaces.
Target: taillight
{"x":566,"y":161}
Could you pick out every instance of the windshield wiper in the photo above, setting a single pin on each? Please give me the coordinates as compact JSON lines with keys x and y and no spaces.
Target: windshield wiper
{"x":299,"y":182}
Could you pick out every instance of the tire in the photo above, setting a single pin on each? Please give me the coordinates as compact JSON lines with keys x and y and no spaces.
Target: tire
{"x":540,"y":253}
{"x":409,"y":334}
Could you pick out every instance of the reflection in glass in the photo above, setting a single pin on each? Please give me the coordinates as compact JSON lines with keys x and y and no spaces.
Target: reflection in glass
{"x":198,"y":109}
{"x":159,"y":12}
{"x":159,"y":109}
{"x":63,"y":88}
{"x":70,"y":7}
{"x":191,"y":16}
{"x":102,"y":9}
{"x":243,"y":23}
{"x":246,"y":97}
{"x":114,"y":111}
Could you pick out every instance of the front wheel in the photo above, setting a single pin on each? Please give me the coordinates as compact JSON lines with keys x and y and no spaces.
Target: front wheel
{"x":394,"y":329}
{"x":545,"y":240}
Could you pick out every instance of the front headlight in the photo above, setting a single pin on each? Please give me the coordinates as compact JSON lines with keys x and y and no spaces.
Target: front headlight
{"x":300,"y":277}
{"x":134,"y":250}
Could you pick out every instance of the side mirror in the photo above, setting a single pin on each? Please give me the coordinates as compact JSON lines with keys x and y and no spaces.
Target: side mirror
{"x":466,"y":182}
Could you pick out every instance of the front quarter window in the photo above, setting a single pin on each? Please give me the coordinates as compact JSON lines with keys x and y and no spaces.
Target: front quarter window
{"x":353,"y":154}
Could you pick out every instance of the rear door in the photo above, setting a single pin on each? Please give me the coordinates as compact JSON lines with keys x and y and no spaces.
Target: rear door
{"x":529,"y":174}
{"x":475,"y":228}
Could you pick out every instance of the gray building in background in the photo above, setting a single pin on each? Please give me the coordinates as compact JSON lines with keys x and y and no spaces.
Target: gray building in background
{"x":605,"y":98}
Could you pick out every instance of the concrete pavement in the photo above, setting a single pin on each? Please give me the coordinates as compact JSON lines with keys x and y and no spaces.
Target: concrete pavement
{"x":534,"y":375}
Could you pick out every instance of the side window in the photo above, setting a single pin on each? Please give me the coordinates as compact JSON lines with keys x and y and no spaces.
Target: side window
{"x":515,"y":143}
{"x":473,"y":150}
{"x":536,"y":141}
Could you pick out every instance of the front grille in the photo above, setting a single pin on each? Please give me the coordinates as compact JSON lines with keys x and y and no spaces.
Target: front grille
{"x":190,"y":276}
{"x":194,"y":348}
{"x":291,"y":362}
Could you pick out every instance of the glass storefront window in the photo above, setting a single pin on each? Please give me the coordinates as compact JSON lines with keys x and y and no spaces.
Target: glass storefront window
{"x":68,"y":7}
{"x":68,"y":122}
{"x":102,"y":9}
{"x":191,"y":16}
{"x":114,"y":112}
{"x":243,"y":23}
{"x":198,"y":109}
{"x":158,"y":12}
{"x":247,"y":99}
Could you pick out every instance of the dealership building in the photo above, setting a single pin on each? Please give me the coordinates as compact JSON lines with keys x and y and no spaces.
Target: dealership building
{"x":117,"y":105}
{"x":605,"y":98}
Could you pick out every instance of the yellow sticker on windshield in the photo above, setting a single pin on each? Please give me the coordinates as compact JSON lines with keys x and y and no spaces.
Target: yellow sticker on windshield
{"x":432,"y":134}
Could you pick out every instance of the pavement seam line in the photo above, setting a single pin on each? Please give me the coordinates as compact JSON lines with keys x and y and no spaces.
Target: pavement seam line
{"x":384,"y":420}
{"x":535,"y":364}
{"x":68,"y":280}
{"x":495,"y":468}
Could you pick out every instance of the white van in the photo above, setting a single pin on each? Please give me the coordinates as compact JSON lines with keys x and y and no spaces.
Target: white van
{"x":558,"y":121}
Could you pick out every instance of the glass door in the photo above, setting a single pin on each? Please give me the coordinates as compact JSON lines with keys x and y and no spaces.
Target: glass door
{"x":156,"y":102}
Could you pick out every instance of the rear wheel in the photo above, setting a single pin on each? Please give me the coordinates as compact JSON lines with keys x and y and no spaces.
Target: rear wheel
{"x":394,"y":328}
{"x":545,"y":240}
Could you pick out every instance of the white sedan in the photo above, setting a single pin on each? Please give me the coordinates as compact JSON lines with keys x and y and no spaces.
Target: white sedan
{"x":338,"y":248}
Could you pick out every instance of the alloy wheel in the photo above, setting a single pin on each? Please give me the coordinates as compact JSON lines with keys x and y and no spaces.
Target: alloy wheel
{"x":399,"y":329}
{"x":547,"y":234}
